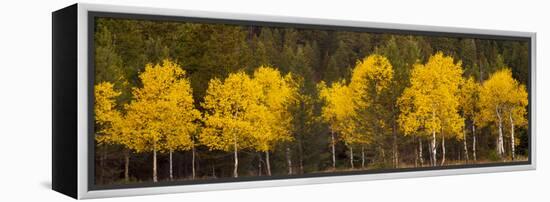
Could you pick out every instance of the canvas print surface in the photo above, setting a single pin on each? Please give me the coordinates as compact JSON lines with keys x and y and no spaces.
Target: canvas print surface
{"x":194,"y":101}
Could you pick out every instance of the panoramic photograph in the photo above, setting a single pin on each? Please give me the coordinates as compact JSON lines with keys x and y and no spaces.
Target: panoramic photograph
{"x":202,"y":100}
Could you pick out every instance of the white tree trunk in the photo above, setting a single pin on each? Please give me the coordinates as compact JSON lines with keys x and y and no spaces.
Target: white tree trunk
{"x":301,"y":156}
{"x":193,"y":161}
{"x":268,"y":165}
{"x":500,"y":145}
{"x":333,"y":143}
{"x":442,"y":150}
{"x":236,"y":157}
{"x":474,"y":141}
{"x":171,"y":168}
{"x":415,"y":152}
{"x":434,"y":150}
{"x":512,"y":139}
{"x":126,"y":165}
{"x":351,"y":157}
{"x":102,"y":160}
{"x":260,"y":164}
{"x":288,"y":160}
{"x":466,"y":147}
{"x":214,"y":172}
{"x":420,"y":155}
{"x":363,"y":156}
{"x":430,"y":153}
{"x":154,"y":162}
{"x":395,"y":149}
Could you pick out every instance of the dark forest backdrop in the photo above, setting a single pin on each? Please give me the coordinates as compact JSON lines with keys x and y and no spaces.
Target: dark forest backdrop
{"x":207,"y":51}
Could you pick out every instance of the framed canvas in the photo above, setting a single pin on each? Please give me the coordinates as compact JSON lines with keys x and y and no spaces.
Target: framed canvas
{"x":151,"y":101}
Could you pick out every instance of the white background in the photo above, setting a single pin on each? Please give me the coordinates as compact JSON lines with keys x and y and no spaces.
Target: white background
{"x":25,"y":99}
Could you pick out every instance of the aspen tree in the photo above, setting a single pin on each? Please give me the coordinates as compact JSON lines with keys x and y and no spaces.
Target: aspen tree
{"x":272,"y":111}
{"x":502,"y":99}
{"x":430,"y":104}
{"x":161,"y":116}
{"x":228,"y":123}
{"x":336,"y":111}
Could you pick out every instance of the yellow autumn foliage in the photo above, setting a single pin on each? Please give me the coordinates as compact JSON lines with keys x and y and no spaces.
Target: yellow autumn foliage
{"x":370,"y":77}
{"x":373,"y":73}
{"x":339,"y":110}
{"x":469,"y":97}
{"x":431,"y":102}
{"x":248,"y":112}
{"x":107,"y":117}
{"x":162,"y":116}
{"x":502,"y":95}
{"x":227,"y":123}
{"x":272,"y":113}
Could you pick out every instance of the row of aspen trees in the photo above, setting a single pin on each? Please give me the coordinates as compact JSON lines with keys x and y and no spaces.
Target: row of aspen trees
{"x":252,"y":111}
